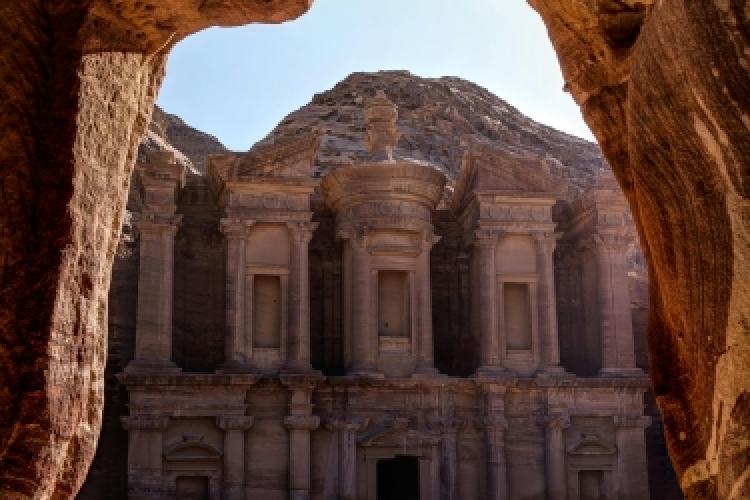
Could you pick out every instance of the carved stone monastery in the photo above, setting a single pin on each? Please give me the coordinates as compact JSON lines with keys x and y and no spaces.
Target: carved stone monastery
{"x":330,"y":385}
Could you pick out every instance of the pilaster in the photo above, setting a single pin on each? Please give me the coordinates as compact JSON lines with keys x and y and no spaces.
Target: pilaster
{"x":545,"y":243}
{"x":554,"y":426}
{"x":632,"y":468}
{"x":618,"y":347}
{"x":145,"y":448}
{"x":425,"y":356}
{"x":485,"y":244}
{"x":300,"y":422}
{"x":159,"y":180}
{"x":298,"y":351}
{"x":238,"y":349}
{"x":233,"y":481}
{"x":448,"y":427}
{"x":346,"y":429}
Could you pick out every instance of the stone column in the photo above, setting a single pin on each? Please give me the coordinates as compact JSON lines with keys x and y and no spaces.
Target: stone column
{"x":145,"y":449}
{"x":497,"y":475}
{"x":298,"y":352}
{"x":299,"y":454}
{"x":448,"y":427}
{"x":238,"y":348}
{"x":346,"y":429}
{"x":547,"y":303}
{"x":364,"y":346}
{"x":632,"y":468}
{"x":618,"y":347}
{"x":425,"y":356}
{"x":300,"y":423}
{"x":485,"y":243}
{"x":554,"y":426}
{"x":153,"y":344}
{"x":233,"y":481}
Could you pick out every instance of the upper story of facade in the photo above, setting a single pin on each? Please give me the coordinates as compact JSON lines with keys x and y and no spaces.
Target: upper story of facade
{"x":381,"y":268}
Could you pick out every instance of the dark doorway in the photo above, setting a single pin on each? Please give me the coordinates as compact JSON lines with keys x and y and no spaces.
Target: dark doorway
{"x":192,"y":488}
{"x":398,"y":479}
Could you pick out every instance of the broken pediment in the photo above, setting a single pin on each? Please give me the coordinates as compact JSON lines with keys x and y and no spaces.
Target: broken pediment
{"x":284,"y":157}
{"x":588,"y":445}
{"x":488,"y":169}
{"x":191,"y":449}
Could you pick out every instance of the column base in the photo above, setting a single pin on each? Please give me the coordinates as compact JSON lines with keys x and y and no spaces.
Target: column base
{"x":299,"y":368}
{"x":366,"y":371}
{"x":157,"y":366}
{"x":554,"y":371}
{"x":299,"y":495}
{"x":237,"y":367}
{"x":493,"y":372}
{"x":426,"y":372}
{"x":621,"y":372}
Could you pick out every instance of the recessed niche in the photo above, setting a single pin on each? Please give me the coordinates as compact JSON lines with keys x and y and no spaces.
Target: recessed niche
{"x":266,"y":311}
{"x":393,"y":303}
{"x":517,"y":316}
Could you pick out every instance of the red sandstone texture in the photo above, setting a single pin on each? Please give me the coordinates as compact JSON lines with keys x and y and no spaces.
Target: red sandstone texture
{"x":78,"y":80}
{"x":661,"y":84}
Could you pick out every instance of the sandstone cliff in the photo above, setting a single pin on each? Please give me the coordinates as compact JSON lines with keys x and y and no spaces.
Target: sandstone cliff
{"x":436,"y":116}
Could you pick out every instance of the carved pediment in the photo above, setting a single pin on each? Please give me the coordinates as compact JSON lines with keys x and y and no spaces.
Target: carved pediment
{"x":284,"y":157}
{"x":191,"y":449}
{"x":591,"y":445}
{"x":490,"y":169}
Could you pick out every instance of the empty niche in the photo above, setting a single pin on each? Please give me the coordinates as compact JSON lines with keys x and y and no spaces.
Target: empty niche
{"x":591,"y":485}
{"x":266,"y":311}
{"x":393,"y":303}
{"x":517,"y":316}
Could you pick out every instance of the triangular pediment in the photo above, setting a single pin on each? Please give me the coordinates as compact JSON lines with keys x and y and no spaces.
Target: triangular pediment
{"x":591,"y":445}
{"x":283,"y":158}
{"x":490,"y":169}
{"x":191,"y":449}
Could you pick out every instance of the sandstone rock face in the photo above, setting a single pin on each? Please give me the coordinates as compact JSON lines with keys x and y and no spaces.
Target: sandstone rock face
{"x":79,"y":80}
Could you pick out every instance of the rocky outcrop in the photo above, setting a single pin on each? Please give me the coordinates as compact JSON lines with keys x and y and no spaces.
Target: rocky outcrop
{"x":79,"y":79}
{"x":437,"y":118}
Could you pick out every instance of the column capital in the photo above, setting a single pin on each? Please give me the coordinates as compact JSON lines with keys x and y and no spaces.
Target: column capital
{"x":631,"y":421}
{"x":302,"y":422}
{"x":491,"y":422}
{"x":486,"y":237}
{"x":350,"y":423}
{"x":149,"y":422}
{"x":358,"y":236}
{"x":302,"y":232}
{"x":446,"y":423}
{"x":235,"y":228}
{"x":545,"y":241}
{"x":234,"y":422}
{"x":156,"y":223}
{"x":617,"y":243}
{"x":555,"y":422}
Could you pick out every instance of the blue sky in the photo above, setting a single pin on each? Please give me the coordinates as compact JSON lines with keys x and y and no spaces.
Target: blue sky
{"x":238,"y":83}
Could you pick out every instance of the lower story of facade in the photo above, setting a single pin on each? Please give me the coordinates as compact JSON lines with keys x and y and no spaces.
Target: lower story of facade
{"x":241,"y":436}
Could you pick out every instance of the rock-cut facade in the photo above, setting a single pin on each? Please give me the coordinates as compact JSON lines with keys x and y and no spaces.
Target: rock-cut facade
{"x":370,"y":334}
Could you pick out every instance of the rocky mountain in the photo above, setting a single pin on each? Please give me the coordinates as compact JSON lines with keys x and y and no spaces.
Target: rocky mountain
{"x":436,"y":116}
{"x":191,"y":147}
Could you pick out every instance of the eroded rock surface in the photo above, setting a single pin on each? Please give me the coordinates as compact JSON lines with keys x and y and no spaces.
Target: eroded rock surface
{"x":79,"y":79}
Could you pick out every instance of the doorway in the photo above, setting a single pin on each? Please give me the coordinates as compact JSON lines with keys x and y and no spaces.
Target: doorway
{"x":192,"y":488}
{"x":398,"y":478}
